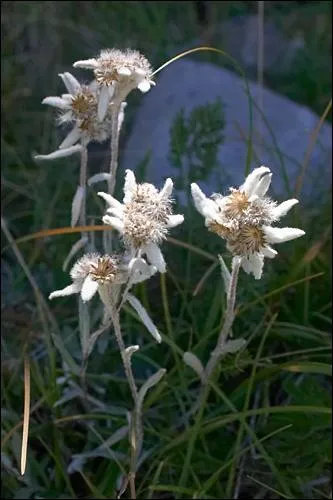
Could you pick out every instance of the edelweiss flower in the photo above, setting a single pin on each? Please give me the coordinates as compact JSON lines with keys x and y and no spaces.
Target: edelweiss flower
{"x":93,"y":270}
{"x":143,"y":218}
{"x":117,"y":73}
{"x":79,"y":107}
{"x":244,"y":218}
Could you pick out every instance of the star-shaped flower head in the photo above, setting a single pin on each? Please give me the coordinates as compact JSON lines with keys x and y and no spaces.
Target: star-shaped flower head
{"x":144,"y":217}
{"x":117,"y":73}
{"x":79,"y":107}
{"x":244,"y":217}
{"x":94,"y":270}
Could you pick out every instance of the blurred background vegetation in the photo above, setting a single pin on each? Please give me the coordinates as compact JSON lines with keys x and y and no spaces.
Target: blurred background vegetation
{"x":286,"y":317}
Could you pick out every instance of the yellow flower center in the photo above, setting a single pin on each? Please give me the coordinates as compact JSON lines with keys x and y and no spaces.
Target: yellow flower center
{"x":219,"y":229}
{"x":236,"y":203}
{"x":246,"y":240}
{"x":83,"y":104}
{"x":105,"y":270}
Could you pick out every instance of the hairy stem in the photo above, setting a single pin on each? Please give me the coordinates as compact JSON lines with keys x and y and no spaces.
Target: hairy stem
{"x":132,"y":485}
{"x":199,"y":405}
{"x":83,"y":182}
{"x":114,"y":146}
{"x":135,"y":432}
{"x":121,"y":345}
{"x":218,"y":351}
{"x":83,"y":222}
{"x":135,"y":427}
{"x":229,"y":319}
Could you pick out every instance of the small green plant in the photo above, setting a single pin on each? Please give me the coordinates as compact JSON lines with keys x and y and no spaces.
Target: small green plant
{"x":194,"y":143}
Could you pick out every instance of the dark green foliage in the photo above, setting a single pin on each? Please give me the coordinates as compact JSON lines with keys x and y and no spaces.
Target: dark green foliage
{"x":288,"y":387}
{"x":194,"y":142}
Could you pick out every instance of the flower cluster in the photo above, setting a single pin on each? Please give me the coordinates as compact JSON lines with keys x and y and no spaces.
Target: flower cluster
{"x":89,"y":108}
{"x":244,"y":217}
{"x":117,"y":73}
{"x":93,"y":271}
{"x":144,"y":218}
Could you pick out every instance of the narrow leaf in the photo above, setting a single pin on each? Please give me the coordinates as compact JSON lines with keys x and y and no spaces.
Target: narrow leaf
{"x":194,"y":362}
{"x":98,"y":178}
{"x":26,"y":415}
{"x":103,"y":450}
{"x":225,"y":274}
{"x":59,"y":153}
{"x":153,"y":380}
{"x":129,"y":351}
{"x":233,"y":346}
{"x":143,"y":315}
{"x":68,"y":396}
{"x":74,"y":250}
{"x":76,"y":205}
{"x":95,"y":336}
{"x":66,"y":356}
{"x":308,"y":367}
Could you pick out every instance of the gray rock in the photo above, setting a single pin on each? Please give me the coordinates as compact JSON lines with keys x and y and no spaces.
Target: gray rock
{"x":189,"y":84}
{"x":239,"y":38}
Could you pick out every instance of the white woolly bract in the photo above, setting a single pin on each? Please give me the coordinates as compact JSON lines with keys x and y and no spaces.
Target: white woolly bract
{"x":118,"y":72}
{"x":244,"y":218}
{"x":144,"y":217}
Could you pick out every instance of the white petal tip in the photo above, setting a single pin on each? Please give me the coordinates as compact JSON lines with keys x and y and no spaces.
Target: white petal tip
{"x":175,"y":220}
{"x":167,"y":189}
{"x":144,"y":86}
{"x":89,"y":288}
{"x":284,"y":208}
{"x":98,"y":178}
{"x":86,"y":64}
{"x":282,"y":234}
{"x":68,"y":290}
{"x":59,"y":153}
{"x":57,"y":102}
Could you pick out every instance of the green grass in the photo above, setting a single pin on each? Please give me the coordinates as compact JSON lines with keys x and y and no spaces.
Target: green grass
{"x":265,"y":428}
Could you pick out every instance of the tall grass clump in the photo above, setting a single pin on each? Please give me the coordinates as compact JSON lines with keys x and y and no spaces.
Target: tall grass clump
{"x":190,"y":367}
